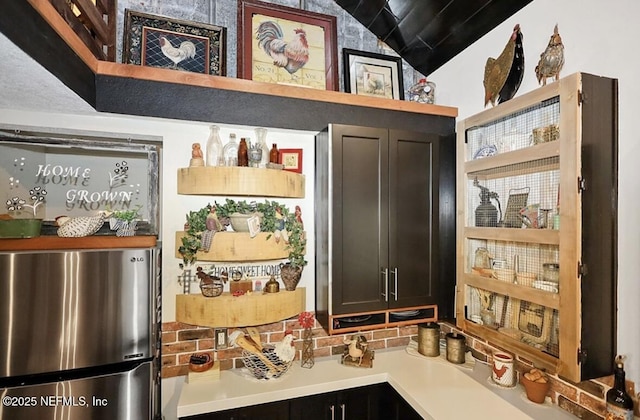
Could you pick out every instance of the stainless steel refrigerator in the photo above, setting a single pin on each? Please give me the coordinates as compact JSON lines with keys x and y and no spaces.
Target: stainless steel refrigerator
{"x":80,"y":334}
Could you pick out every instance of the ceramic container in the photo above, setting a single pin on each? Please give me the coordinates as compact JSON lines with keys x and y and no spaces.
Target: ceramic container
{"x":502,"y":370}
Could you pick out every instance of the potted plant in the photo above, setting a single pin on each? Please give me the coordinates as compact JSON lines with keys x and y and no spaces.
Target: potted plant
{"x":124,"y":222}
{"x":21,"y":227}
{"x":275,"y":218}
{"x":239,"y":213}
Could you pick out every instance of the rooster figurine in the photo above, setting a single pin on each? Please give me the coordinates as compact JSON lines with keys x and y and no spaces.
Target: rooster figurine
{"x":551,"y":60}
{"x":503,"y":75}
{"x":186,"y":50}
{"x":292,"y":55}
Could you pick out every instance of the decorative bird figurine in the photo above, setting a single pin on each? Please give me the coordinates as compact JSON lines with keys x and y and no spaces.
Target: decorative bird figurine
{"x":356,"y":348}
{"x":285,"y":349}
{"x":503,"y":75}
{"x":551,"y":59}
{"x":76,"y":227}
{"x":213,"y":225}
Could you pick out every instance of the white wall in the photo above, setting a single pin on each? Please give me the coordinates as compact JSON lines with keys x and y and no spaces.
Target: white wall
{"x":176,"y":152}
{"x":599,"y":38}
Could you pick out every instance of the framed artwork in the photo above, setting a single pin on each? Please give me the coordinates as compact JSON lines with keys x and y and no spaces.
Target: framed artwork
{"x":291,"y":159}
{"x":158,"y":41}
{"x":278,"y":44}
{"x":372,"y":74}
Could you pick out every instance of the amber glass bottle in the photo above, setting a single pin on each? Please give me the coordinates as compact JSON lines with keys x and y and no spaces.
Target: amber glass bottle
{"x":243,"y":153}
{"x":619,"y":403}
{"x":273,"y":154}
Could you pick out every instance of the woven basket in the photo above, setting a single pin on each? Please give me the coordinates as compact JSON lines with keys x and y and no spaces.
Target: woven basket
{"x":261,"y":370}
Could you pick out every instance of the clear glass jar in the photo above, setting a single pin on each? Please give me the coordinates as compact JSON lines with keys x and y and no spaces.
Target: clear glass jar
{"x":214,"y":147}
{"x":230,"y":151}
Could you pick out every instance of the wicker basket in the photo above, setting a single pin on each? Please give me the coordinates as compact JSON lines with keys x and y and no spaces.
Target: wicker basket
{"x":263,"y":370}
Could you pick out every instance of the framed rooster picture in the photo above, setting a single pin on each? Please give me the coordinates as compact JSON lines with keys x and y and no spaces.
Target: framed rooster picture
{"x":284,"y":45}
{"x":372,"y":74}
{"x":159,"y":41}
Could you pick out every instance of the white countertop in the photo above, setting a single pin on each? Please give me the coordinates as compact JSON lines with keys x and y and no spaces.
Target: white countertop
{"x":433,"y":387}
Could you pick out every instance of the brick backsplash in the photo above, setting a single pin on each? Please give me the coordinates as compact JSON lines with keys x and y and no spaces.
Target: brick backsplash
{"x":179,"y":341}
{"x":585,"y":400}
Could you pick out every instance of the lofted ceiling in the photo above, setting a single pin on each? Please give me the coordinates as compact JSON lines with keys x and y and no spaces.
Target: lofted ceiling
{"x":428,"y":33}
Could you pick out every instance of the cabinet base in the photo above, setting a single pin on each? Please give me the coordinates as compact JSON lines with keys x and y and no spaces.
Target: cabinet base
{"x":363,"y":321}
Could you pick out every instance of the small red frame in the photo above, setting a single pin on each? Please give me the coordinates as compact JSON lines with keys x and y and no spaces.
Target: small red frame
{"x":291,"y":159}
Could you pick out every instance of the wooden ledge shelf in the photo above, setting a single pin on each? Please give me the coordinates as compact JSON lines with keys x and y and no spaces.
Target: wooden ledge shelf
{"x":240,"y":246}
{"x":242,"y":311}
{"x":235,"y":180}
{"x":89,"y":242}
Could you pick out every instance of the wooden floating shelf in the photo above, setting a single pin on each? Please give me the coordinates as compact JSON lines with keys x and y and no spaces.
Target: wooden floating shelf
{"x":240,"y":246}
{"x":87,"y":242}
{"x":236,"y":180}
{"x":242,"y":311}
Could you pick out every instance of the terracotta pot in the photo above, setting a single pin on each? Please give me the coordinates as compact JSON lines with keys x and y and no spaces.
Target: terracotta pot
{"x":290,"y":276}
{"x":536,"y":391}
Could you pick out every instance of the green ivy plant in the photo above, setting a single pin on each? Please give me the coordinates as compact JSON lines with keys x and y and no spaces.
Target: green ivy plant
{"x":192,"y":240}
{"x":127,"y":215}
{"x":196,"y":221}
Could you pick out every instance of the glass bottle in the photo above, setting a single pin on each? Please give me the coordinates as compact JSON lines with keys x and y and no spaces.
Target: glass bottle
{"x":273,"y":154}
{"x":619,"y":403}
{"x":230,"y":151}
{"x":214,"y":147}
{"x":261,"y":136}
{"x":243,"y":153}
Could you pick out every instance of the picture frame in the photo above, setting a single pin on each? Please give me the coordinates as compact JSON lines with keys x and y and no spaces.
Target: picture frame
{"x":291,"y":159}
{"x":317,"y":66}
{"x":371,"y":74}
{"x":152,"y":40}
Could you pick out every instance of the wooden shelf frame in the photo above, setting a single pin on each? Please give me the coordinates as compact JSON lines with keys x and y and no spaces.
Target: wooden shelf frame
{"x":567,"y":154}
{"x":244,"y":181}
{"x":240,"y":246}
{"x":240,"y":311}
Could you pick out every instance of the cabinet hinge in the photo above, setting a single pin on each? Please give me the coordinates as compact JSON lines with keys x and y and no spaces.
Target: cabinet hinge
{"x":582,"y":269}
{"x":582,"y":356}
{"x":581,"y":97}
{"x":582,"y":184}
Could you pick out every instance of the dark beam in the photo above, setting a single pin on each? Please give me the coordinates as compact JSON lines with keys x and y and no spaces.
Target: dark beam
{"x":26,"y":28}
{"x":123,"y":95}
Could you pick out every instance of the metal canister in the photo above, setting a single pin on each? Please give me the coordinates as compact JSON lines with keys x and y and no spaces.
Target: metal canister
{"x":429,"y":339}
{"x":456,"y":348}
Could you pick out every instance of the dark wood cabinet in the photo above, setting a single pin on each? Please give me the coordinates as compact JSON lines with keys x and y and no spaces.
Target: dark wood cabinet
{"x":378,"y":220}
{"x":361,"y":403}
{"x":372,"y":402}
{"x":278,"y":410}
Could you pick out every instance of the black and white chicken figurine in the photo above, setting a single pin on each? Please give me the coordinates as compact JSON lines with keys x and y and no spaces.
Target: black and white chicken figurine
{"x":76,"y":227}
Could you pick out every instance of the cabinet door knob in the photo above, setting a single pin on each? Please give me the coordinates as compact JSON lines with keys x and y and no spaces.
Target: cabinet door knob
{"x":385,"y":273}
